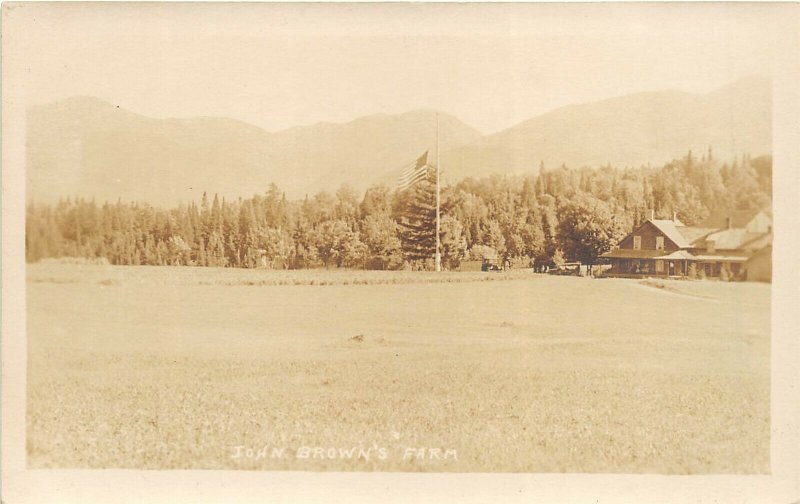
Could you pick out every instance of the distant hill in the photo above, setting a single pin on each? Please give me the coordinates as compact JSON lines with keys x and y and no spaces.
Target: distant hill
{"x":633,"y":130}
{"x":85,"y":146}
{"x":365,"y":151}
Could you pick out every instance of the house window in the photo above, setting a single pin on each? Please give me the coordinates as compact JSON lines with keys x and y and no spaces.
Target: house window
{"x":637,"y":243}
{"x":659,"y":243}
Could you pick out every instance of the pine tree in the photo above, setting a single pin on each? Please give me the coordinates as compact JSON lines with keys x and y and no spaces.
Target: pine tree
{"x":528,"y":216}
{"x":417,"y":219}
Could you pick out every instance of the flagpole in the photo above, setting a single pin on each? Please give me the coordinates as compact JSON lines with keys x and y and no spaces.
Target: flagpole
{"x":438,"y":255}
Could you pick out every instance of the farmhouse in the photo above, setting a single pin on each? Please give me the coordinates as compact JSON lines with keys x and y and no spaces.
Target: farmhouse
{"x":737,"y":244}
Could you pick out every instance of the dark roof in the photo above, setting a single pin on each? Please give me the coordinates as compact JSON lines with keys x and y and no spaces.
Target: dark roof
{"x":739,"y":218}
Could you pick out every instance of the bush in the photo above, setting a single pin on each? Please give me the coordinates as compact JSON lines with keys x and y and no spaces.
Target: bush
{"x":701,"y":274}
{"x":692,"y":271}
{"x":558,"y":258}
{"x":481,"y":252}
{"x":724,"y":274}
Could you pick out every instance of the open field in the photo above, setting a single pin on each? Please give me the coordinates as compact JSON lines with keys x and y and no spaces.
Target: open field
{"x":147,"y":367}
{"x":54,"y":272}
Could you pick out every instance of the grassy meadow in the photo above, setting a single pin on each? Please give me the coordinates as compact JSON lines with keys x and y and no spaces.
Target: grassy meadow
{"x":189,"y":368}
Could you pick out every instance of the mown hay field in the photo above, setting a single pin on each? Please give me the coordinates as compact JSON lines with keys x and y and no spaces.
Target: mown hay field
{"x":173,"y":368}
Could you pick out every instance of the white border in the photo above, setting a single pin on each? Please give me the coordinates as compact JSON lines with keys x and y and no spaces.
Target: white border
{"x":38,"y":486}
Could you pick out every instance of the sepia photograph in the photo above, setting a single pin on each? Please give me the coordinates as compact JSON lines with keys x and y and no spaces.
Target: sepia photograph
{"x":397,"y":238}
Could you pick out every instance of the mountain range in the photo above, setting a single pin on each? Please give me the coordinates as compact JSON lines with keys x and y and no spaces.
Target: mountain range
{"x":83,"y":146}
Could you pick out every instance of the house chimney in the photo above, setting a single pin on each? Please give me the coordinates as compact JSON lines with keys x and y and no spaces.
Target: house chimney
{"x":674,"y":216}
{"x":652,"y":214}
{"x":728,"y":222}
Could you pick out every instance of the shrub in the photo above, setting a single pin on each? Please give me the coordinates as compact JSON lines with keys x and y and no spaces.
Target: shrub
{"x":701,"y":274}
{"x":558,"y":258}
{"x":481,"y":252}
{"x":692,"y":271}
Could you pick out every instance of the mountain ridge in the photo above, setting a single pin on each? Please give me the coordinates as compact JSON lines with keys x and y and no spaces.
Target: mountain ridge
{"x":86,"y":146}
{"x":650,"y":127}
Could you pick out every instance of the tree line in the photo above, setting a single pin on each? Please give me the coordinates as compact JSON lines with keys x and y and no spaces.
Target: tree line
{"x":556,"y":215}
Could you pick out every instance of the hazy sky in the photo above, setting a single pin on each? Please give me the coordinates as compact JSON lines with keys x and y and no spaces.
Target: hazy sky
{"x":283,"y":65}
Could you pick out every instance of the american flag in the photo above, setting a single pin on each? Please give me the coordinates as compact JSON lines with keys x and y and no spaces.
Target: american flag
{"x":413,"y":172}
